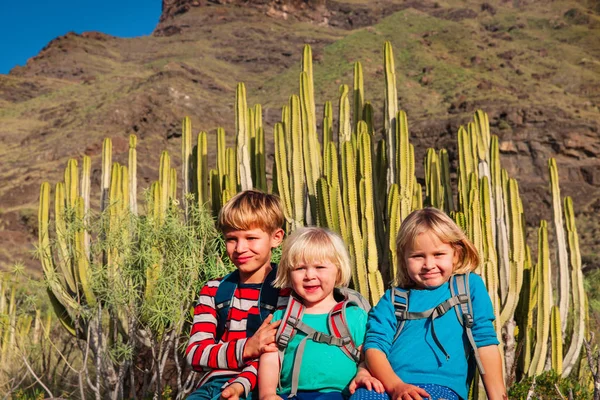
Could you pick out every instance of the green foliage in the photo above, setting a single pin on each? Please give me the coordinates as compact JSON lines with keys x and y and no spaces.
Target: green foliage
{"x":549,"y":386}
{"x":133,"y":278}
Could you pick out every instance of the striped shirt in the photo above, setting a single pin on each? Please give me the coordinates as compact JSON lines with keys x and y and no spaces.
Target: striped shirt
{"x":224,"y":357}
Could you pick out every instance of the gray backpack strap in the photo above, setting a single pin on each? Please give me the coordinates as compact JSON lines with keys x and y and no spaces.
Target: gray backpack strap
{"x":287,"y":329}
{"x":400,"y":303}
{"x":290,"y":324}
{"x":462,"y":286}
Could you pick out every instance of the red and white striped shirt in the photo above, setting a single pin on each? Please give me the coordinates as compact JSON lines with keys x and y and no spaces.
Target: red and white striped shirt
{"x":224,"y":357}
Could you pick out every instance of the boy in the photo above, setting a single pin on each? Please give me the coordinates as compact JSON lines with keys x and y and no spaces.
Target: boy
{"x":231,"y":328}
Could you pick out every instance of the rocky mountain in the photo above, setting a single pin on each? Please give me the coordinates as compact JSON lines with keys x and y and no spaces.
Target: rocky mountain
{"x":533,"y":66}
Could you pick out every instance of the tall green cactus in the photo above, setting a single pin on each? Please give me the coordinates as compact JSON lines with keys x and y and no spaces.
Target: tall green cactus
{"x":579,"y":298}
{"x":359,"y":95}
{"x":564,"y":284}
{"x":390,"y":110}
{"x":544,"y":302}
{"x":244,"y":173}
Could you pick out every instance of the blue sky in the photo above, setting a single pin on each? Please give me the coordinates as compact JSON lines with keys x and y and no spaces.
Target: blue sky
{"x":26,"y":26}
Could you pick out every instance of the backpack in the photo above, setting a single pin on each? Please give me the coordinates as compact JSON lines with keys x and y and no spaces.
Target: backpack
{"x":338,"y":326}
{"x":460,"y":301}
{"x":267,"y":301}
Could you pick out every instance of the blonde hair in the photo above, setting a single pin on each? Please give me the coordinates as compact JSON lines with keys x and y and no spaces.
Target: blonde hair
{"x":251,"y":209}
{"x":441,"y":225}
{"x":313,"y":244}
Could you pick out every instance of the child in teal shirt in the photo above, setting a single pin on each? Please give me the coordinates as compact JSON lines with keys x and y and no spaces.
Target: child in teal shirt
{"x":314,"y":263}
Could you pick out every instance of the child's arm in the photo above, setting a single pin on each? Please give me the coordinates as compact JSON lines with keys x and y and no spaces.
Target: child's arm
{"x":486,"y":339}
{"x":381,"y":369}
{"x":492,"y":379}
{"x":268,"y":372}
{"x":204,"y":350}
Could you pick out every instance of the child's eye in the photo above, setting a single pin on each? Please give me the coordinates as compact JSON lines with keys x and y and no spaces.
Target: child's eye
{"x":300,"y":268}
{"x":321,"y":267}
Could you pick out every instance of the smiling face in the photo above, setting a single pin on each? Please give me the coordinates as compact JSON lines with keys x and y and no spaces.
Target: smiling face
{"x":250,"y":252}
{"x":429,"y":261}
{"x":314,"y":283}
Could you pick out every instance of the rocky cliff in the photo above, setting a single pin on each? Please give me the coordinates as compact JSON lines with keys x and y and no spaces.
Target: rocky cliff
{"x":533,"y":66}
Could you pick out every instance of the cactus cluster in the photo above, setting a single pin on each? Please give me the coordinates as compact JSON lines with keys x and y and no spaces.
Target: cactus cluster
{"x":362,"y":186}
{"x":112,"y":275}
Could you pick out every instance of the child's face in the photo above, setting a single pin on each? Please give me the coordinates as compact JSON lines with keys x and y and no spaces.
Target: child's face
{"x":250,"y":252}
{"x":430,"y":261}
{"x":314,"y":283}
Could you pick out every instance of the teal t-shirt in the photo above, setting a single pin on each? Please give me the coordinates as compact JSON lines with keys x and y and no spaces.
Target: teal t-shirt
{"x":324,"y":368}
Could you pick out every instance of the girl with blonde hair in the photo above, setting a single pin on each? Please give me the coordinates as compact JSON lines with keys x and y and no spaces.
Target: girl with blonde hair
{"x":314,"y":362}
{"x":416,"y":344}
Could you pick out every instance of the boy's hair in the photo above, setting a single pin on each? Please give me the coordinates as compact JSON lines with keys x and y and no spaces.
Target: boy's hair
{"x":441,"y":225}
{"x":313,"y":244}
{"x":251,"y":209}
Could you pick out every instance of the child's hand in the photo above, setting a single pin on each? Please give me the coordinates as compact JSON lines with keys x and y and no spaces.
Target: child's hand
{"x":405,"y":391}
{"x":232,"y":392}
{"x":263,"y":340}
{"x":364,"y":379}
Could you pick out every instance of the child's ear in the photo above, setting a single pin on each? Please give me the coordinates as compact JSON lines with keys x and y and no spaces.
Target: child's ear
{"x":277,"y":237}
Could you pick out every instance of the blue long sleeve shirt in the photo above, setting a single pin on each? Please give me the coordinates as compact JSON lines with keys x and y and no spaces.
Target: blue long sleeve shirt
{"x":414,"y":356}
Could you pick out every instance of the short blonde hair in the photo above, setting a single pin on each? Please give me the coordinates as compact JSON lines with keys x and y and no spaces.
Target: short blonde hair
{"x":251,"y":209}
{"x":441,"y":225}
{"x":313,"y":244}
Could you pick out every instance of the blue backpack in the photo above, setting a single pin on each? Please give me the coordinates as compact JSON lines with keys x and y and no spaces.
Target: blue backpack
{"x":460,"y":301}
{"x":267,"y":301}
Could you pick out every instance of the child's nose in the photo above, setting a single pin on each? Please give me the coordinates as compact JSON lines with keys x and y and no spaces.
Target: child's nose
{"x":241,"y":246}
{"x":429,"y":262}
{"x":310,"y":273}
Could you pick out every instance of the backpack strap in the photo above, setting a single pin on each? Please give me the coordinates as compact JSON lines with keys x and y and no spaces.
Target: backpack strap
{"x":292,"y":322}
{"x":338,"y":326}
{"x":400,"y":302}
{"x":459,"y":285}
{"x":223,"y":299}
{"x":267,"y":302}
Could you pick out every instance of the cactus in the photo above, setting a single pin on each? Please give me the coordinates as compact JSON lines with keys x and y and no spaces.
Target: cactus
{"x":564,"y":284}
{"x":579,"y":297}
{"x":186,"y":156}
{"x":544,"y":302}
{"x":405,"y":164}
{"x":557,"y":340}
{"x":244,"y":174}
{"x":390,"y":110}
{"x":359,"y":272}
{"x":359,"y":95}
{"x":344,"y":128}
